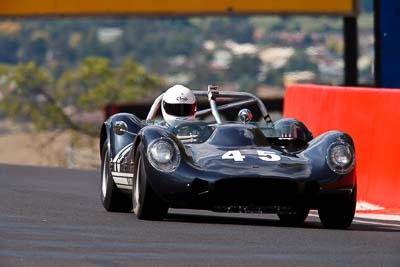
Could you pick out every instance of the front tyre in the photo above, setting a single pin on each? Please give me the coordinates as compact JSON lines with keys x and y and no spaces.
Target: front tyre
{"x":111,"y":198}
{"x":295,"y":217}
{"x":146,"y":204}
{"x":338,"y":212}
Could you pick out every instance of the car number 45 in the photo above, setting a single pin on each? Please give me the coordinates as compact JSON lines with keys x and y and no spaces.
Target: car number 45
{"x":236,"y":155}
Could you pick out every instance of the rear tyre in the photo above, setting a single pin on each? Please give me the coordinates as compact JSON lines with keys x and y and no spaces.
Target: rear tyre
{"x":338,"y":212}
{"x":146,"y":204}
{"x":111,"y":198}
{"x":295,"y":218}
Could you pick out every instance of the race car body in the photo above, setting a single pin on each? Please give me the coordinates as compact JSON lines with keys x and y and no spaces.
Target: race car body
{"x":275,"y":167}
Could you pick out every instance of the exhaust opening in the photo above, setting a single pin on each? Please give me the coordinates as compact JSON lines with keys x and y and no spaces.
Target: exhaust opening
{"x":200,"y":186}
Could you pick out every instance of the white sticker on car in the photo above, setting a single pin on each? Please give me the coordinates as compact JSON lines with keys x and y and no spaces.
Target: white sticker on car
{"x":233,"y":154}
{"x":236,"y":155}
{"x":268,"y":155}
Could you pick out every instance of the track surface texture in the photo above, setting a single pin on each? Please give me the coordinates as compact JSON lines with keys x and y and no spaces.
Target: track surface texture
{"x":53,"y":217}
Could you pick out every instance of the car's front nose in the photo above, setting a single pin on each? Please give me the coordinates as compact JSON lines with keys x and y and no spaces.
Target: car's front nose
{"x":279,"y":184}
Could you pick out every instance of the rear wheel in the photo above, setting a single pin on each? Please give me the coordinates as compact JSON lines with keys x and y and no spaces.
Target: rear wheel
{"x":111,"y":198}
{"x":146,"y":204}
{"x":294,"y":218}
{"x":338,"y":212}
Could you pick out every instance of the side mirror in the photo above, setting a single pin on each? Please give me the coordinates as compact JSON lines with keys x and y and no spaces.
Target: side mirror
{"x":245,"y":115}
{"x":120,"y":127}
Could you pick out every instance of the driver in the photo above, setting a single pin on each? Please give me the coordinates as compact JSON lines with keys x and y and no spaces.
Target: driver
{"x":178,"y":105}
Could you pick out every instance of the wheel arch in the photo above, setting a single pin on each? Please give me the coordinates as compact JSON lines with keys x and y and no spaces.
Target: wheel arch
{"x":136,"y":143}
{"x":104,"y":135}
{"x":148,"y":134}
{"x":117,"y":142}
{"x":317,"y":151}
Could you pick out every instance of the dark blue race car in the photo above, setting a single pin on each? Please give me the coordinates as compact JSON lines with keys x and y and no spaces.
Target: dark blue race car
{"x":244,"y":166}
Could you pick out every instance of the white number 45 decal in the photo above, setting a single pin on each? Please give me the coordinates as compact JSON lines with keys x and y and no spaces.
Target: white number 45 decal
{"x":263,"y":155}
{"x":233,"y":154}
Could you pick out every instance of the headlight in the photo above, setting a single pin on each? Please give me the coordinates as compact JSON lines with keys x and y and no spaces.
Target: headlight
{"x":163,"y":155}
{"x":340,"y":158}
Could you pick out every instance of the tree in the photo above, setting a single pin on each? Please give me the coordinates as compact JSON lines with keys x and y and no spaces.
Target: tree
{"x":29,"y":92}
{"x":244,"y":70}
{"x":27,"y":96}
{"x":8,"y":49}
{"x":300,"y":61}
{"x":94,"y":84}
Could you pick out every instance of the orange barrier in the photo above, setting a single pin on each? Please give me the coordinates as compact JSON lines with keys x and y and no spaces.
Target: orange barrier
{"x":372,"y":117}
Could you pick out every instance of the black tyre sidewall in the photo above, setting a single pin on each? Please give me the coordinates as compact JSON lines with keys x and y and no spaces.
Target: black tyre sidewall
{"x":338,"y":211}
{"x":114,"y":200}
{"x":106,"y":200}
{"x":150,"y":206}
{"x":298,"y":217}
{"x":137,"y":207}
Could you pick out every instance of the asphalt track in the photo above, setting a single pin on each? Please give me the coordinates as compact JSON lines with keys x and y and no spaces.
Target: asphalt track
{"x":53,"y":217}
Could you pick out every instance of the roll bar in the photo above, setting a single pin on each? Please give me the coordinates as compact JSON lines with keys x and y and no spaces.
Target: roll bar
{"x":212,"y":93}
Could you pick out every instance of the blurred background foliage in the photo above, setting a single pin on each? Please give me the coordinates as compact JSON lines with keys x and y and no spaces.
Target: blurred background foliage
{"x":54,"y":71}
{"x":30,"y":92}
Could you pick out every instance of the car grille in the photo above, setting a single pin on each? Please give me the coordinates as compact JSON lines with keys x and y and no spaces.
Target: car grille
{"x":244,"y":191}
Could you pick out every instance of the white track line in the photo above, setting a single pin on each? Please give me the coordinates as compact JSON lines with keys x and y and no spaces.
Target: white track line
{"x":377,"y":223}
{"x":367,"y":222}
{"x":382,"y":217}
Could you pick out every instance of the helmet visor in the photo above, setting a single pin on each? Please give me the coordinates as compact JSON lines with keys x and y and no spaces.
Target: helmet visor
{"x":180,"y":110}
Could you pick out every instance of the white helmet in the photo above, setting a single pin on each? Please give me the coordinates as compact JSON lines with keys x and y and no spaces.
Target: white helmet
{"x":178,"y":105}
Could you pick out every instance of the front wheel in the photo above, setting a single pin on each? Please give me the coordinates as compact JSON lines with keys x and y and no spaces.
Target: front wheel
{"x":294,"y":218}
{"x":338,"y":211}
{"x":146,"y":204}
{"x":111,"y":198}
